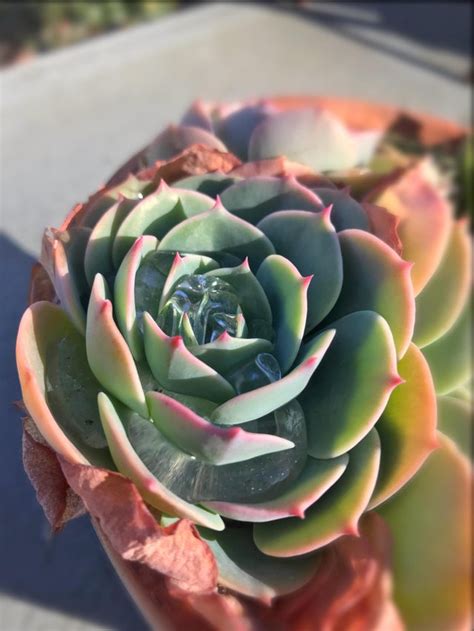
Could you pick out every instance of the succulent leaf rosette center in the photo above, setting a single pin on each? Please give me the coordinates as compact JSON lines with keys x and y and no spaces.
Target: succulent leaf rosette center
{"x":231,"y":343}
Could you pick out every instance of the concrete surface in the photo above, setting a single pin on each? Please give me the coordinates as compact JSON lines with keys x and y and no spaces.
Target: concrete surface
{"x":70,"y":118}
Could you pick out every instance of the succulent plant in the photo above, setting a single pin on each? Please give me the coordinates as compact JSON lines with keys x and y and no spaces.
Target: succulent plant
{"x":258,"y":348}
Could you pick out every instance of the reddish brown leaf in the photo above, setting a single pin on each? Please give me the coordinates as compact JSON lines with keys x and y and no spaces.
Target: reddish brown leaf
{"x":384,"y":225}
{"x":41,"y":287}
{"x":59,"y":502}
{"x":176,"y":551}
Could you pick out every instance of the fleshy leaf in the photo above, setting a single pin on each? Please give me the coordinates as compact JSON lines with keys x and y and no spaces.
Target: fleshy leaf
{"x":155,"y":215}
{"x":236,"y":128}
{"x":98,"y":255}
{"x":316,"y":478}
{"x":254,"y":198}
{"x":242,"y":567}
{"x":430,"y":524}
{"x":252,"y":299}
{"x":286,"y":291}
{"x":132,"y":466}
{"x":109,"y":356}
{"x":455,"y":421}
{"x":346,"y":212}
{"x":211,"y":184}
{"x":376,"y":279}
{"x":425,"y":216}
{"x":176,"y":368}
{"x":124,"y":293}
{"x":227,"y":352}
{"x":450,"y":356}
{"x":349,"y":392}
{"x":310,"y":242}
{"x":312,"y":137}
{"x":218,"y":231}
{"x":337,"y":513}
{"x":451,"y":280}
{"x":256,"y":403}
{"x":41,"y":327}
{"x":175,"y":138}
{"x":407,"y":427}
{"x":206,"y":441}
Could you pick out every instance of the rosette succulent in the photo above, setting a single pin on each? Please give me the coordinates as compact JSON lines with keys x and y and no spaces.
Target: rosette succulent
{"x":257,"y":346}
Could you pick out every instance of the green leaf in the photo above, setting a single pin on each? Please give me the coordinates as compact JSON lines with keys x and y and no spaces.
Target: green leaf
{"x":218,"y":231}
{"x":109,"y":357}
{"x":227,"y":353}
{"x":346,"y":212}
{"x":310,"y":242}
{"x":336,"y":514}
{"x":455,"y":421}
{"x":182,"y":266}
{"x":349,"y":392}
{"x":211,"y":184}
{"x":376,"y":279}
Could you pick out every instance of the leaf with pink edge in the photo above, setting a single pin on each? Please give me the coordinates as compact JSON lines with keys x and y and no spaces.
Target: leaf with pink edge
{"x":429,"y":521}
{"x":114,"y":420}
{"x":217,"y":230}
{"x":348,"y":394}
{"x":227,"y":353}
{"x":443,"y":297}
{"x":407,"y":427}
{"x":450,"y":356}
{"x":243,"y":568}
{"x":109,"y":357}
{"x":346,"y":212}
{"x":254,"y":198}
{"x":98,"y":254}
{"x":315,"y":479}
{"x":47,"y":340}
{"x":124,"y":293}
{"x":176,"y":368}
{"x":455,"y":421}
{"x":376,"y":279}
{"x":69,"y":280}
{"x":256,"y":403}
{"x":315,"y":138}
{"x":175,"y":139}
{"x":425,"y":215}
{"x":156,"y":215}
{"x":205,"y":440}
{"x":336,"y":514}
{"x":309,"y":241}
{"x":237,"y":127}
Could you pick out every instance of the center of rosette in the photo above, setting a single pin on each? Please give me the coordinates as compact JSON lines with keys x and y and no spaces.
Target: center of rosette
{"x":208,"y":304}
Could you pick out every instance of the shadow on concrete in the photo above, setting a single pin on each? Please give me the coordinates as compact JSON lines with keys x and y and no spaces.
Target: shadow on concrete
{"x":445,"y":26}
{"x":69,"y":572}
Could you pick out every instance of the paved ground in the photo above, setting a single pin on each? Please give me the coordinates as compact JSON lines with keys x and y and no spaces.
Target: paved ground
{"x":68,"y":119}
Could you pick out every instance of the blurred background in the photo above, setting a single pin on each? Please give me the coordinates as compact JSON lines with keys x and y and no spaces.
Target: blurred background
{"x":85,"y":84}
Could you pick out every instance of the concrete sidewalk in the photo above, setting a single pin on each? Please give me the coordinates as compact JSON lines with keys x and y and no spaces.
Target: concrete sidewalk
{"x":70,"y":118}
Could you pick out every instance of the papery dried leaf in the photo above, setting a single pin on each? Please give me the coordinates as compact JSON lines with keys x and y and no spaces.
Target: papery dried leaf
{"x":41,"y":287}
{"x":59,"y":502}
{"x":176,"y":551}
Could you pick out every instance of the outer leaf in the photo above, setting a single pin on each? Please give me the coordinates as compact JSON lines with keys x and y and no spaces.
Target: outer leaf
{"x":41,"y":326}
{"x":346,"y":212}
{"x":256,"y":403}
{"x":175,"y":138}
{"x":206,"y":441}
{"x":335,"y":514}
{"x":407,"y":427}
{"x":286,"y":290}
{"x":176,"y":368}
{"x":377,"y":279}
{"x":211,"y":184}
{"x":226,"y":352}
{"x":451,"y":280}
{"x":429,"y":520}
{"x":310,"y":242}
{"x":124,"y":293}
{"x":243,"y":568}
{"x":315,"y":138}
{"x":218,"y":231}
{"x":455,"y":421}
{"x":316,"y":478}
{"x":109,"y":356}
{"x":450,"y":356}
{"x":348,"y":394}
